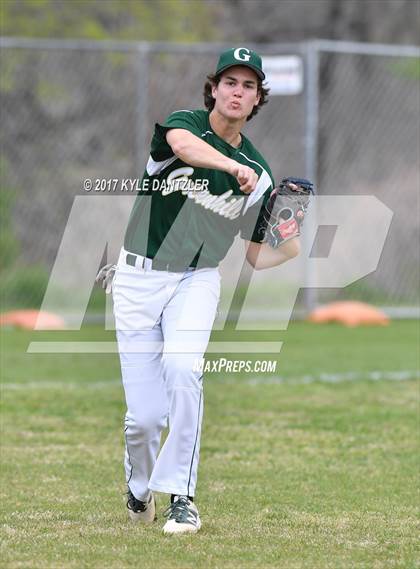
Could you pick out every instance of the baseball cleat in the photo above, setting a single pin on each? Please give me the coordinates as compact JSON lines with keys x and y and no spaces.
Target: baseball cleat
{"x":139,"y":511}
{"x":182,"y":517}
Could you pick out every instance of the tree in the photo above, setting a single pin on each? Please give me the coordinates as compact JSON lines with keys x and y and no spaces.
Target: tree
{"x":157,"y":20}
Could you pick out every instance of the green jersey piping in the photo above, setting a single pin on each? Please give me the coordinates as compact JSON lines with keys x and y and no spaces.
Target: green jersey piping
{"x":154,"y":168}
{"x":263,"y":184}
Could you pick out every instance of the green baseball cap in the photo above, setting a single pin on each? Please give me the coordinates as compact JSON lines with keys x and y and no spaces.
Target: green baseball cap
{"x":240,"y":56}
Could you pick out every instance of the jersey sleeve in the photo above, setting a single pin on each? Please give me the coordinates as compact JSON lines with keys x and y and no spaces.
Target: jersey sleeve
{"x":252,"y":223}
{"x":188,"y":120}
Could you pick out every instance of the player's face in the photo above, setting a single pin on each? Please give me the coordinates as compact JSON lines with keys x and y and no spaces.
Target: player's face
{"x":237,"y":93}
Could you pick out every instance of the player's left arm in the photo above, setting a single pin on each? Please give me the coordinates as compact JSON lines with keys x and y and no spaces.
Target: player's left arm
{"x":263,"y":256}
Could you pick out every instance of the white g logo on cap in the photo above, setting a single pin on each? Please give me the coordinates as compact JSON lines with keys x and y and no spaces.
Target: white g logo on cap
{"x":242,"y":56}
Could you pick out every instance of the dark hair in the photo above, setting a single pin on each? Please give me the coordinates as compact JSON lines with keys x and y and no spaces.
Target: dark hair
{"x":214,"y":80}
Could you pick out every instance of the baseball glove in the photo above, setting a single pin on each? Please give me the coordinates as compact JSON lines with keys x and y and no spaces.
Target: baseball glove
{"x":285,"y":210}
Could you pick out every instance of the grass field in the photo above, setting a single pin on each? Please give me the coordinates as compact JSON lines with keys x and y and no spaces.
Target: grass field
{"x":314,"y":466}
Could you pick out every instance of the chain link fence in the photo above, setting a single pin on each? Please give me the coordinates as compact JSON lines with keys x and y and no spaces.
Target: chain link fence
{"x":74,"y":110}
{"x":368,"y":143}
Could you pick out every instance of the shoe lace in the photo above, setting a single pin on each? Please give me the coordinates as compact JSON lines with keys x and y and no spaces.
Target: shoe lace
{"x":134,"y":504}
{"x":178,"y":510}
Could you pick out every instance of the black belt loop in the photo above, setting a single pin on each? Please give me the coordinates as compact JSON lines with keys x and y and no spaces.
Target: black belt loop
{"x":131,"y":259}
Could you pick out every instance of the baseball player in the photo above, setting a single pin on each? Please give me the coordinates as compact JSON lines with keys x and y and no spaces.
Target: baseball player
{"x":204,"y":183}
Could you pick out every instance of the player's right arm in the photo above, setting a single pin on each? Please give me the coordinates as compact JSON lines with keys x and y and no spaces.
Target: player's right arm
{"x":195,"y":152}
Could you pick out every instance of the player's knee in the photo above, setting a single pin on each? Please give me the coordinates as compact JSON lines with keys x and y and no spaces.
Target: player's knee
{"x":144,"y":423}
{"x":182,"y":371}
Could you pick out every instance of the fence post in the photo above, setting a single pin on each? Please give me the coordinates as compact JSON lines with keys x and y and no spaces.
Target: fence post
{"x":311,"y":150}
{"x":142,"y":104}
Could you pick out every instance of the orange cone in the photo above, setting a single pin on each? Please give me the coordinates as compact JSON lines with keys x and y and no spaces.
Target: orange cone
{"x":350,"y":313}
{"x":28,"y":319}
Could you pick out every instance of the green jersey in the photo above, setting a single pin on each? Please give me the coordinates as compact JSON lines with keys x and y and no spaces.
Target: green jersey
{"x":191,"y":215}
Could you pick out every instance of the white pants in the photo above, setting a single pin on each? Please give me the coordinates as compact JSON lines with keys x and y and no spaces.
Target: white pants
{"x":163,"y":323}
